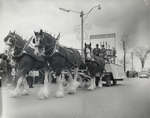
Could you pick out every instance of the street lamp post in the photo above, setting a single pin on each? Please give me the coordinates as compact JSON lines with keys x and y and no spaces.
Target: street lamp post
{"x":132,"y":60}
{"x":82,"y":32}
{"x":82,"y":14}
{"x":124,"y":49}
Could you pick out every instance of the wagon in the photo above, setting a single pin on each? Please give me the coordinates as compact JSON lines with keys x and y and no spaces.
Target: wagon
{"x":112,"y":74}
{"x":113,"y":71}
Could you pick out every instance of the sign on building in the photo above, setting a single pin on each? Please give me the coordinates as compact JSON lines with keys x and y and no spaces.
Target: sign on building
{"x":102,"y":36}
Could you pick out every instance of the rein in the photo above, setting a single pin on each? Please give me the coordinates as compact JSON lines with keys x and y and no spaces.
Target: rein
{"x":16,"y":46}
{"x":54,"y":50}
{"x":14,"y":38}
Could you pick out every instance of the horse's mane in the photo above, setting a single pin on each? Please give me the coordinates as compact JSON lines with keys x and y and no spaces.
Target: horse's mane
{"x":20,"y":42}
{"x":48,"y":39}
{"x":18,"y":36}
{"x":48,"y":36}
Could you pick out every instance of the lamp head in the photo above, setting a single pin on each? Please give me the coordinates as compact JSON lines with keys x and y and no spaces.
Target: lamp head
{"x":99,"y":7}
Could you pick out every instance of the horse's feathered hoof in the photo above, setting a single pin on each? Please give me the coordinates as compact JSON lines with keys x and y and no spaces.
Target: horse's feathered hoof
{"x":100,"y":85}
{"x":76,"y":84}
{"x":25,"y":92}
{"x":92,"y":87}
{"x":71,"y":91}
{"x":43,"y":93}
{"x":73,"y":87}
{"x":14,"y":93}
{"x":60,"y":94}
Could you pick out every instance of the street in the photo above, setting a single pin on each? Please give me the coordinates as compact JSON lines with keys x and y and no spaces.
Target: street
{"x":129,"y":99}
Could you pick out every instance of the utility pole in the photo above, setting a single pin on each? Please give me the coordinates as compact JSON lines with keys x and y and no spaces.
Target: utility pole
{"x":124,"y":50}
{"x":82,"y":32}
{"x":132,"y":60}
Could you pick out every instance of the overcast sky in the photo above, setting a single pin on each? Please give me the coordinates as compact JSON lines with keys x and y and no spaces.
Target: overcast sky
{"x":124,"y":17}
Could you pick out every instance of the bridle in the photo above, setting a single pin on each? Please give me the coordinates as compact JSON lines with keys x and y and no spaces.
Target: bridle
{"x":86,"y":58}
{"x":54,"y":49}
{"x":13,"y":37}
{"x":14,"y":44}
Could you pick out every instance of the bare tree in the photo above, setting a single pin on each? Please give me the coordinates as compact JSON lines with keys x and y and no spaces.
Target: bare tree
{"x":142,"y":53}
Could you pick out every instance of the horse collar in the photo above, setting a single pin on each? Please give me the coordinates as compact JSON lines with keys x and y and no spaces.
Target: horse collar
{"x":54,"y":50}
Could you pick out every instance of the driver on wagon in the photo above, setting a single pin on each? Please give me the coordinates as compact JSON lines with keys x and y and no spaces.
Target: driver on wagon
{"x":96,"y":51}
{"x":102,"y":51}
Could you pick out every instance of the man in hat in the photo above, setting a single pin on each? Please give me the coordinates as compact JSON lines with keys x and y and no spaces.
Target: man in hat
{"x":96,"y":50}
{"x":102,"y":52}
{"x":29,"y":79}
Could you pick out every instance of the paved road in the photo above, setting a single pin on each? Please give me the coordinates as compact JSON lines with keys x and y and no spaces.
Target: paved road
{"x":129,"y":99}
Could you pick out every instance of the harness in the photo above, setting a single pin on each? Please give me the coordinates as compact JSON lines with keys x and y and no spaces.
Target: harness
{"x":57,"y":49}
{"x":53,"y":51}
{"x":53,"y":48}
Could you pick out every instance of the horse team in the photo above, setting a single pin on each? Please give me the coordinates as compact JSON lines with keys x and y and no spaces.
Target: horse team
{"x":49,"y":56}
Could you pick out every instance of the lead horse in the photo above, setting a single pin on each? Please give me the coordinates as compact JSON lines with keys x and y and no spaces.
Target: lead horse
{"x":25,"y":61}
{"x":60,"y":59}
{"x":95,"y":66}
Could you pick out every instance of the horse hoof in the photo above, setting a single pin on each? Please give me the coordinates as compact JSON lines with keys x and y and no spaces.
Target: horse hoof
{"x":42,"y":96}
{"x":100,"y":85}
{"x":25,"y":92}
{"x":71,"y":91}
{"x":76,"y":84}
{"x":14,"y":94}
{"x":59,"y":94}
{"x":9,"y":86}
{"x":91,"y":88}
{"x":43,"y":93}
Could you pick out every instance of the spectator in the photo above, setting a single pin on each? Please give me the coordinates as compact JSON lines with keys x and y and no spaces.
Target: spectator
{"x":29,"y":79}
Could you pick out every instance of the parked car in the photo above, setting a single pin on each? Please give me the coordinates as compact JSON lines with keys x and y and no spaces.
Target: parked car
{"x":132,"y":74}
{"x":144,"y":74}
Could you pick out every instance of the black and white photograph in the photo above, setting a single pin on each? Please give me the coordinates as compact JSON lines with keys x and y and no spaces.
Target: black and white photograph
{"x":74,"y":58}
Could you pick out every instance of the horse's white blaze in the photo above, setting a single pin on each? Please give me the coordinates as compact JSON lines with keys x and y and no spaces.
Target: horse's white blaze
{"x":88,"y":52}
{"x":36,"y":51}
{"x":8,"y":41}
{"x":37,"y":41}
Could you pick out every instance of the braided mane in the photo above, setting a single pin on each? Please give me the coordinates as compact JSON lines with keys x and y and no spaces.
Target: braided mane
{"x":20,"y":42}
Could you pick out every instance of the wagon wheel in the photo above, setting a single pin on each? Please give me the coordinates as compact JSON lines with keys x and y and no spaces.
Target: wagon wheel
{"x":108,"y":82}
{"x":114,"y":82}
